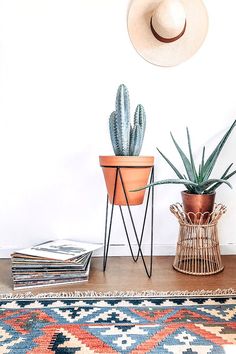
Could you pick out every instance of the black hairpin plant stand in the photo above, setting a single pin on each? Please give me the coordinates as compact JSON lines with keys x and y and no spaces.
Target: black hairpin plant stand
{"x":109,"y":220}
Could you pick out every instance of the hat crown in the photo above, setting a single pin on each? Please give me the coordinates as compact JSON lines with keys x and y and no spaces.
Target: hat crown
{"x":169,"y":18}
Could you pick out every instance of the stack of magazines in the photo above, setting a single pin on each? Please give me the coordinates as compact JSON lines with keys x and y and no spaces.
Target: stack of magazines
{"x":52,"y":263}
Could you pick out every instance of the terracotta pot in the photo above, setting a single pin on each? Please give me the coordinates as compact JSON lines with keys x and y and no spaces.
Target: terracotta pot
{"x":135,"y":171}
{"x":200,"y":206}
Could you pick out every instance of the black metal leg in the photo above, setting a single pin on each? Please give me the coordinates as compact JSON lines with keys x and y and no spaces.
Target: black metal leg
{"x":127,"y":235}
{"x":145,"y":214}
{"x":134,"y":228}
{"x":152,"y":217}
{"x":107,"y":238}
{"x":139,"y":241}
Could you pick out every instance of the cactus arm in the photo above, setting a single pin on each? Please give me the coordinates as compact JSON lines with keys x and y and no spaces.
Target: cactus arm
{"x":126,"y":141}
{"x":113,"y":133}
{"x":140,"y":118}
{"x":130,"y":139}
{"x":136,"y":142}
{"x":122,"y":119}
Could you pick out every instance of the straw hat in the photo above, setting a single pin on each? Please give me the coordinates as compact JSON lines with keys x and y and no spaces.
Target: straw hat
{"x":167,"y":32}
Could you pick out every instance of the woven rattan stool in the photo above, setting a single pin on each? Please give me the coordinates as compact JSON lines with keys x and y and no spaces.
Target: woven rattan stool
{"x":198,"y":251}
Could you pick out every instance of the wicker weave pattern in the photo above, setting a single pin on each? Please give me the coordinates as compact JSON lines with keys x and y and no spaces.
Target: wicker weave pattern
{"x":198,"y":251}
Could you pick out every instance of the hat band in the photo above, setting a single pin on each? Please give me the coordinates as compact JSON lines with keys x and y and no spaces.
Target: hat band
{"x":166,"y":40}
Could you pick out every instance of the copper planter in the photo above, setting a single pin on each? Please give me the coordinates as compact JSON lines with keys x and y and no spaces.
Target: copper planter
{"x":198,"y":206}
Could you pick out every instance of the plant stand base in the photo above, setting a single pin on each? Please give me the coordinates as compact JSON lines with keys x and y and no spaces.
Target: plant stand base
{"x":198,"y":251}
{"x":109,"y":220}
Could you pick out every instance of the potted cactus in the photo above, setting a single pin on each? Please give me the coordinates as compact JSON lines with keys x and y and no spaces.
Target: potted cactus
{"x":127,"y":143}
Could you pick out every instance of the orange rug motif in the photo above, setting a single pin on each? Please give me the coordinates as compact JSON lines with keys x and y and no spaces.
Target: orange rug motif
{"x":164,"y":324}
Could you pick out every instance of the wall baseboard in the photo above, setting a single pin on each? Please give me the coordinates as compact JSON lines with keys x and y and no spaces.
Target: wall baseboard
{"x":123,"y":250}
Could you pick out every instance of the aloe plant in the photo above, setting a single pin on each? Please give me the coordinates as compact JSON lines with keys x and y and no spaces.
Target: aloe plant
{"x":126,"y":139}
{"x":197,"y":180}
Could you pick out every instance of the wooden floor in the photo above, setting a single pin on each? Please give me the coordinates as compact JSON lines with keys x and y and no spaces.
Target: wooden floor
{"x":123,"y":274}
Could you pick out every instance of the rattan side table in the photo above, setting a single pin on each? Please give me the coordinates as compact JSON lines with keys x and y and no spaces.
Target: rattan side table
{"x":198,"y":251}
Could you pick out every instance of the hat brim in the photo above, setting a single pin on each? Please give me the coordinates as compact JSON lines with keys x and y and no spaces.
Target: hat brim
{"x":160,"y":53}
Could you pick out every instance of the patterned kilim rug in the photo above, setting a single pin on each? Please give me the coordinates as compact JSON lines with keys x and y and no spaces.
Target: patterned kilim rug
{"x":149,"y":322}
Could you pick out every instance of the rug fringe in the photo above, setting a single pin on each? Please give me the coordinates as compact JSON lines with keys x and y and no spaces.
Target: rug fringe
{"x":118,"y":294}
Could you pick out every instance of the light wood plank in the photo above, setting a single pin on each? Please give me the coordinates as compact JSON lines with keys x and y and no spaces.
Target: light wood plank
{"x":123,"y":274}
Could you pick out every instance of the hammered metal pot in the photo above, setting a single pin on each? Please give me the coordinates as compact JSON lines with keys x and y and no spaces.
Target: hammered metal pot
{"x":198,"y":206}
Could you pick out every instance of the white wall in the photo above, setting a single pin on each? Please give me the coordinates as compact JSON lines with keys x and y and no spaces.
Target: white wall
{"x":60,"y":65}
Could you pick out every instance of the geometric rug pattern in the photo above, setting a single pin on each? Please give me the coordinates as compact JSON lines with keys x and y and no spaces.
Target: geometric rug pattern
{"x":157,"y":325}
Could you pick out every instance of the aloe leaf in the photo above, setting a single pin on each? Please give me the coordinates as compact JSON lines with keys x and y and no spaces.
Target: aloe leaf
{"x":230,"y":174}
{"x":191,"y":156}
{"x":225,"y":176}
{"x":210,"y":163}
{"x":171,"y":165}
{"x":201,"y":166}
{"x":226,"y":171}
{"x":186,"y":182}
{"x":199,"y":172}
{"x":206,"y":184}
{"x":185,"y":160}
{"x":203,"y":155}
